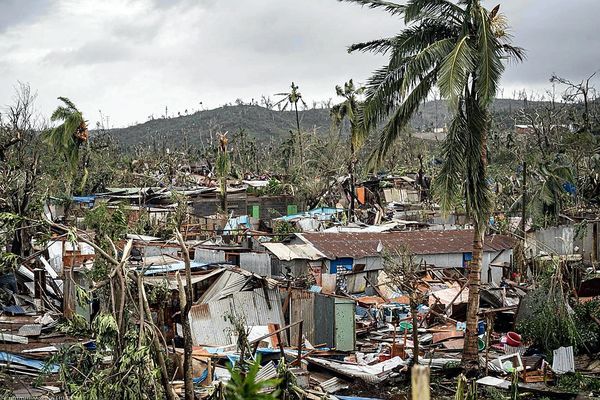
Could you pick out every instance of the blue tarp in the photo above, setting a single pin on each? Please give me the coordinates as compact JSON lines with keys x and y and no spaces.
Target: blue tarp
{"x":202,"y":377}
{"x":28,"y":362}
{"x":234,"y":223}
{"x":84,"y":199}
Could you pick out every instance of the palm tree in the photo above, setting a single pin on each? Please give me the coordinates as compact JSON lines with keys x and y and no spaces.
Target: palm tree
{"x":460,"y":48}
{"x":67,"y":138}
{"x":291,"y":99}
{"x":349,"y":109}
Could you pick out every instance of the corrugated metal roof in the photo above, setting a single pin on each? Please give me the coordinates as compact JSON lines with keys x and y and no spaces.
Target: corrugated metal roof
{"x":294,"y":251}
{"x":366,"y":244}
{"x":228,"y":283}
{"x":333,"y":385}
{"x":563,"y":360}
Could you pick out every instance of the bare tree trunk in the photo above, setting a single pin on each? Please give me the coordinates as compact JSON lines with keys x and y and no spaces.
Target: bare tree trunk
{"x":185,"y":304}
{"x":299,"y":137}
{"x":415,"y":324}
{"x":470,"y":352}
{"x":224,"y":195}
{"x":158,"y":351}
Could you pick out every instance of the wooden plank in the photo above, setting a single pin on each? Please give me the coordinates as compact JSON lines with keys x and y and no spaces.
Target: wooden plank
{"x":420,"y":383}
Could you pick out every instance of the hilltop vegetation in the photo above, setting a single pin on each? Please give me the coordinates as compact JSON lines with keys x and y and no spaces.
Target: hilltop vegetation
{"x":273,"y":125}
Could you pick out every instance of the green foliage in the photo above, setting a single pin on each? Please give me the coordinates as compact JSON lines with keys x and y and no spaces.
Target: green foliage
{"x":106,"y":222}
{"x":551,"y":323}
{"x":587,"y":328}
{"x":86,"y":375}
{"x":8,"y":262}
{"x":465,"y":390}
{"x":66,"y":138}
{"x":274,"y":187}
{"x":283,"y":230}
{"x":578,"y":383}
{"x":74,"y":326}
{"x":244,"y":386}
{"x":159,"y":294}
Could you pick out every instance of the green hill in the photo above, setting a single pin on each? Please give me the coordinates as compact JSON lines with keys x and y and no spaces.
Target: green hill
{"x":265,"y":124}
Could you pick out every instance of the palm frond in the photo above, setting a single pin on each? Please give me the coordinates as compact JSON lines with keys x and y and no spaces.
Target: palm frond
{"x":477,"y":191}
{"x":382,"y":95}
{"x":455,"y":70}
{"x":401,"y":118}
{"x":489,"y":58}
{"x":392,"y":8}
{"x":449,"y":182}
{"x":514,"y":53}
{"x":422,"y":9}
{"x":374,"y":46}
{"x":428,"y":58}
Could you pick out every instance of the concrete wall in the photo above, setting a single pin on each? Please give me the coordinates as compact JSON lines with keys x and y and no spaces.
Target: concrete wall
{"x":269,"y":206}
{"x":554,"y":240}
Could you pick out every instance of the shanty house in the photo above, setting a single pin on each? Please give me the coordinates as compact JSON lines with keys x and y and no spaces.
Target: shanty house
{"x":364,"y":251}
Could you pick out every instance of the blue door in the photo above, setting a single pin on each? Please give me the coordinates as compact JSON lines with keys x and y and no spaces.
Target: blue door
{"x":340,"y":264}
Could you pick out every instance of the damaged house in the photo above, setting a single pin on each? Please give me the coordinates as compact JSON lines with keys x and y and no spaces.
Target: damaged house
{"x":365,"y":251}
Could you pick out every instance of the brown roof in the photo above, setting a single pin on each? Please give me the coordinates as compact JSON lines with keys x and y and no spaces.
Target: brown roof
{"x":364,"y":244}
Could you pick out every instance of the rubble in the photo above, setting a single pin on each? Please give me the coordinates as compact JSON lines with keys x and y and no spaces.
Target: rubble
{"x":321,"y":303}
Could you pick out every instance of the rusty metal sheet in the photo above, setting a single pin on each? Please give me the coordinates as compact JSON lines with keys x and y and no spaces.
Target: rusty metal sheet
{"x":366,"y":244}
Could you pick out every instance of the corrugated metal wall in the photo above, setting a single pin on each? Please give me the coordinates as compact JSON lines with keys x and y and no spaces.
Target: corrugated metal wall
{"x":259,"y":263}
{"x":210,"y":327}
{"x":324,"y":320}
{"x":301,"y":307}
{"x":209,"y":256}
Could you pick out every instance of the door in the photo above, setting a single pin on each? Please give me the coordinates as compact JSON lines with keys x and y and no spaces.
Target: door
{"x":344,"y":325}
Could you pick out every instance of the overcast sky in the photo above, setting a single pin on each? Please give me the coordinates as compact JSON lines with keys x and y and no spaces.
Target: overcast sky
{"x":131,"y":58}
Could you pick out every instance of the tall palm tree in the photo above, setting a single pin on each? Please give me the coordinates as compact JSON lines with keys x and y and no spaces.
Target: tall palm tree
{"x":67,"y":138}
{"x":291,"y":99}
{"x":349,"y":110}
{"x":460,"y":48}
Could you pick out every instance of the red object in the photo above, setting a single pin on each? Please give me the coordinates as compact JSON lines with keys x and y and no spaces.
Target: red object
{"x":513,"y":339}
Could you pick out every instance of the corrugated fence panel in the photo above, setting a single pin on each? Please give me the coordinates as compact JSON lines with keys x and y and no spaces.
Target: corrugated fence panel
{"x":324,"y":320}
{"x":259,"y":263}
{"x":208,"y":323}
{"x":301,"y":307}
{"x":210,"y":327}
{"x":209,"y":256}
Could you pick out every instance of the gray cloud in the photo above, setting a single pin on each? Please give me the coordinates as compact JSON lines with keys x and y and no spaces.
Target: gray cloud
{"x":131,"y":58}
{"x":91,"y":53}
{"x":17,"y":12}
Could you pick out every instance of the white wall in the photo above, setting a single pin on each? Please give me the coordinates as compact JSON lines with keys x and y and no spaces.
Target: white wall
{"x":554,"y":240}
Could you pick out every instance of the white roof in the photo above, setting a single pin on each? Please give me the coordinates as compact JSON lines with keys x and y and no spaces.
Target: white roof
{"x":287,"y":252}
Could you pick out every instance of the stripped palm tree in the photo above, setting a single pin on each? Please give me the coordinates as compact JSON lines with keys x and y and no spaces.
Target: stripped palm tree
{"x":67,"y":138}
{"x":292,"y":99}
{"x":460,"y":48}
{"x":349,"y":110}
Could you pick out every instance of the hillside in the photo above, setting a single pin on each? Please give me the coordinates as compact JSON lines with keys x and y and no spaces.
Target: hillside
{"x":257,"y":121}
{"x":267,"y":124}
